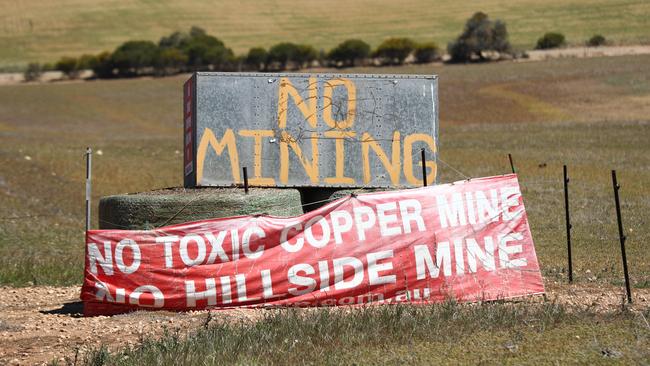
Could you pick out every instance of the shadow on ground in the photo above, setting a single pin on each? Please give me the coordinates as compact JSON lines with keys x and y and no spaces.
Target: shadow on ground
{"x":73,"y":309}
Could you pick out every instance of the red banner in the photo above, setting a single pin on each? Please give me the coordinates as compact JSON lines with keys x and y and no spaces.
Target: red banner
{"x":468,"y":240}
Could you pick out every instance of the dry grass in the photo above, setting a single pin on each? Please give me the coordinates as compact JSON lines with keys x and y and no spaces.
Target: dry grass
{"x":43,"y":30}
{"x":440,"y":334}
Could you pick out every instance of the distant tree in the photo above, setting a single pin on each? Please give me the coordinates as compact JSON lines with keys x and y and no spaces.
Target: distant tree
{"x":169,"y":61}
{"x":305,"y":56}
{"x":479,"y":36}
{"x":220,"y":58}
{"x":174,"y":40}
{"x":256,"y":58}
{"x":68,"y":66}
{"x":322,"y":57}
{"x":236,"y":63}
{"x":104,"y":67}
{"x":426,"y":52}
{"x":33,"y":72}
{"x":204,"y":50}
{"x":133,"y":57}
{"x":394,"y":51}
{"x":283,"y":53}
{"x":550,"y":40}
{"x":197,"y":32}
{"x":197,"y":54}
{"x":349,"y":53}
{"x":86,"y":62}
{"x":596,"y":41}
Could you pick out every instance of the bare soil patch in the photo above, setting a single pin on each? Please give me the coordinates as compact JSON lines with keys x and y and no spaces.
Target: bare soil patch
{"x":42,"y":324}
{"x":580,"y":52}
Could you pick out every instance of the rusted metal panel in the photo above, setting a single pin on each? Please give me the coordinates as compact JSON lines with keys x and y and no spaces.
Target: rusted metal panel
{"x":306,"y":130}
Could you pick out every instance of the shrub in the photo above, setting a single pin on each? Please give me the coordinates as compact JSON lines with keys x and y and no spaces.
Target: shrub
{"x":256,"y":58}
{"x":33,"y":72}
{"x":201,"y":49}
{"x":71,"y":66}
{"x":86,"y":62}
{"x":236,"y":63}
{"x":132,"y":57}
{"x":596,"y":41}
{"x":219,"y":58}
{"x":322,"y":57}
{"x":169,"y":61}
{"x":196,"y":32}
{"x":174,"y":40}
{"x":394,"y":51}
{"x":283,"y":53}
{"x":204,"y":50}
{"x":103,"y":67}
{"x":480,"y":35}
{"x":68,"y":66}
{"x":550,"y":40}
{"x":349,"y":52}
{"x":305,"y":56}
{"x":426,"y":52}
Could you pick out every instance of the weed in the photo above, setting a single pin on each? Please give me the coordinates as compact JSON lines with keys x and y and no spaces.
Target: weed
{"x":441,"y":333}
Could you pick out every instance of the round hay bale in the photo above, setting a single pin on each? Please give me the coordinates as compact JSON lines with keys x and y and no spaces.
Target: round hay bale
{"x":149,"y":210}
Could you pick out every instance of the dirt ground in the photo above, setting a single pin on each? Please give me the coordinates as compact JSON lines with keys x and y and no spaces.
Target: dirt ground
{"x":42,"y":324}
{"x":580,"y":52}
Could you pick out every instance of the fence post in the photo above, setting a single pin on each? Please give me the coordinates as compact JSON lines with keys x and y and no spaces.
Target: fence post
{"x":621,"y":236}
{"x":424,"y":167}
{"x":512,"y":165}
{"x":568,"y":222}
{"x":245,"y":180}
{"x":89,"y":156}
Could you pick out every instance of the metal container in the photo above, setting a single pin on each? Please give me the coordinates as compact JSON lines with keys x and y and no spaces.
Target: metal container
{"x":310,"y":130}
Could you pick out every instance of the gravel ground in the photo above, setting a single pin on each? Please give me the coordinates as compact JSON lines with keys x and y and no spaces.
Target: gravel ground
{"x":42,"y":324}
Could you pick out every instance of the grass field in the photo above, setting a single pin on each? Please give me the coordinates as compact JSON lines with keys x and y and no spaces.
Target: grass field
{"x":500,"y":334}
{"x":591,"y":114}
{"x":43,"y":31}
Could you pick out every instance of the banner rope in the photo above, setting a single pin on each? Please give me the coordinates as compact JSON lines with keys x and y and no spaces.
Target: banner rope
{"x":454,"y":169}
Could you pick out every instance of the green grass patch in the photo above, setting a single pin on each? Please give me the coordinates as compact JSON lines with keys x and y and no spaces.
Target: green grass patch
{"x":438,"y":334}
{"x":642,"y":284}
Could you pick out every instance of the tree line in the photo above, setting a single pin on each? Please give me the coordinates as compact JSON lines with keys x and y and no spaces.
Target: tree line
{"x":482,"y":40}
{"x":197,"y":50}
